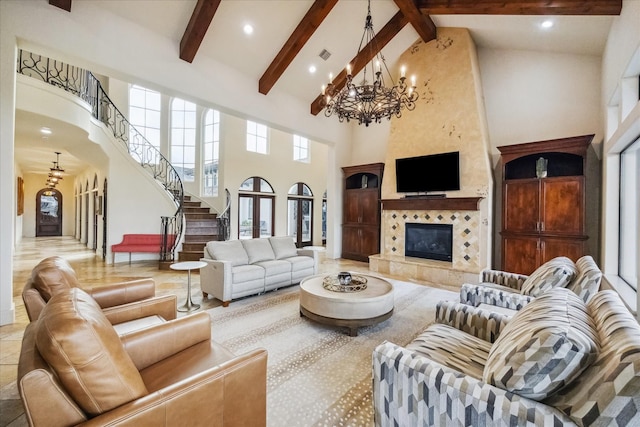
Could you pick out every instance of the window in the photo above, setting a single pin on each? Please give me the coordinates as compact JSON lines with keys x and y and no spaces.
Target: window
{"x":144,"y":115}
{"x":183,"y":138}
{"x":299,"y":214}
{"x":210,"y":153}
{"x":629,"y":197}
{"x":256,"y":209}
{"x":256,"y":137}
{"x":300,"y":149}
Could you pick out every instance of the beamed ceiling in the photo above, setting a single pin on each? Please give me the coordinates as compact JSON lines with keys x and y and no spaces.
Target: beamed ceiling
{"x":289,"y":34}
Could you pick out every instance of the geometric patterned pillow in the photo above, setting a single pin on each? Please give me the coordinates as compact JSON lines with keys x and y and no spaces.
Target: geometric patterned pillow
{"x":544,"y":347}
{"x":554,"y":273}
{"x":587,"y":283}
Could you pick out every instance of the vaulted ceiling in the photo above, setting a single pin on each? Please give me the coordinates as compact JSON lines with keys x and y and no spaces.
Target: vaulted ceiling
{"x":289,"y":34}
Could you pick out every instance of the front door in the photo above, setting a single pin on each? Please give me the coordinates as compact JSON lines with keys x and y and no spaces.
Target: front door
{"x":49,"y":213}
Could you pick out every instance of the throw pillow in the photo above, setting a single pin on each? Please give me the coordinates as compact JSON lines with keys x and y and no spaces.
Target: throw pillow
{"x":283,"y":247}
{"x":81,"y":346}
{"x":545,"y":346}
{"x":555,"y":273}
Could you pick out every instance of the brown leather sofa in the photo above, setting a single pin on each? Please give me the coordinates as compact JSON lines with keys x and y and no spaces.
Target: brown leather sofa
{"x":75,"y":370}
{"x":130,"y":305}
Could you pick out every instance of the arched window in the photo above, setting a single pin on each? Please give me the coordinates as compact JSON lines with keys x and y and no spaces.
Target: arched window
{"x":300,"y":214}
{"x":256,"y":209}
{"x":183,"y":138}
{"x":210,"y":153}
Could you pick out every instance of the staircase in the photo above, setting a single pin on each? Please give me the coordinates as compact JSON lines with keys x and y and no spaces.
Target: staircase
{"x":201,"y":226}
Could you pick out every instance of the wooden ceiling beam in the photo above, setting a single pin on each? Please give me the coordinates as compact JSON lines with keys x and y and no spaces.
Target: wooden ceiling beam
{"x":365,"y":55}
{"x":62,"y":4}
{"x":305,"y":29}
{"x":520,"y":7}
{"x":423,"y":24}
{"x":197,"y":28}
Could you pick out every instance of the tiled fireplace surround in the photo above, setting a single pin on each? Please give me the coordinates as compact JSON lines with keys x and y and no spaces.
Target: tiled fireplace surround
{"x":462,"y":213}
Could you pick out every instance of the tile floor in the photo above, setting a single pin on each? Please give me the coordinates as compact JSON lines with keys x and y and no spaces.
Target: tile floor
{"x":91,"y":271}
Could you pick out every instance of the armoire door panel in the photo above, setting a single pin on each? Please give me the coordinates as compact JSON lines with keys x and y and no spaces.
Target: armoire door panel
{"x":520,"y":254}
{"x":521,"y":205}
{"x":563,"y":202}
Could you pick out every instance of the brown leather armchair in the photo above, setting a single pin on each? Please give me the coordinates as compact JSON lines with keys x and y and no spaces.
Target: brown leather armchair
{"x":75,"y":370}
{"x":130,"y":304}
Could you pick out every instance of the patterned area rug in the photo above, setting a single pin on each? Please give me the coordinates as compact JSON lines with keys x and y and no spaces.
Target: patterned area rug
{"x":318,"y":375}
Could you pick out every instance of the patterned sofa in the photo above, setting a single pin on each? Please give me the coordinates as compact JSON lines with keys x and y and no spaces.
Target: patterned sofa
{"x":238,"y":268}
{"x":514,"y":291}
{"x":558,"y":361}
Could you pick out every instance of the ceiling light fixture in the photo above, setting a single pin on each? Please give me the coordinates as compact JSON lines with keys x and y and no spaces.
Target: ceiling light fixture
{"x":370,"y":102}
{"x":248,"y":29}
{"x":547,"y":24}
{"x":45,"y":130}
{"x":312,"y":69}
{"x":56,"y":172}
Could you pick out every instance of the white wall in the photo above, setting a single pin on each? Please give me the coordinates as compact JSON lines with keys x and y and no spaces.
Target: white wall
{"x":621,"y":112}
{"x":534,"y":96}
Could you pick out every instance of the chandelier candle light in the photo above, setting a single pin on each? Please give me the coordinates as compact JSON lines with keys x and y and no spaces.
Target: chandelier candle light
{"x":56,"y":172}
{"x":370,"y":102}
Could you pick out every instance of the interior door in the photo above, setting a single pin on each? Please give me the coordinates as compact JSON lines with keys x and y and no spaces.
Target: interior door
{"x":49,"y":213}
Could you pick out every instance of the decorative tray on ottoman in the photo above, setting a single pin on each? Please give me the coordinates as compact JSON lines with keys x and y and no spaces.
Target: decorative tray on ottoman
{"x":339,"y":284}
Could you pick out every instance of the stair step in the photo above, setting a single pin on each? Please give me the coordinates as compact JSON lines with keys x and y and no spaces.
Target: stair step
{"x":199,"y":215}
{"x":195,"y":209}
{"x":199,"y":222}
{"x":189,"y":204}
{"x":192,"y":238}
{"x":193,"y":246}
{"x":190,"y":256}
{"x":202,"y":231}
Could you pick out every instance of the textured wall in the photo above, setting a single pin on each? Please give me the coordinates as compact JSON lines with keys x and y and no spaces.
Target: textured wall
{"x":449,"y":116}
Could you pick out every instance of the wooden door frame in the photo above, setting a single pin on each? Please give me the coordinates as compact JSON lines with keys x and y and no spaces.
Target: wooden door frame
{"x":39,"y":195}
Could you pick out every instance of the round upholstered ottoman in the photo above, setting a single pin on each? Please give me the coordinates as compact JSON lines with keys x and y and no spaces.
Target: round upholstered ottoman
{"x":348,"y":309}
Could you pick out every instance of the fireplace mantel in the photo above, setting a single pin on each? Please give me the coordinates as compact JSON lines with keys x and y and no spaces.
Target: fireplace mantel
{"x":435,"y":203}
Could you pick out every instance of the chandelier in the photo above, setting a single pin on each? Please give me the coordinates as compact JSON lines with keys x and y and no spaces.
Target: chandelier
{"x":370,"y":101}
{"x":56,"y":172}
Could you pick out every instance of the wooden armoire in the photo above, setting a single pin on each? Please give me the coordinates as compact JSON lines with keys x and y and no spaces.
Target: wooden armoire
{"x":361,"y":211}
{"x":543,"y":213}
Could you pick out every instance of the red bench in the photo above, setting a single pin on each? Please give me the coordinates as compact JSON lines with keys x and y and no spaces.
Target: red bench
{"x":141,"y":243}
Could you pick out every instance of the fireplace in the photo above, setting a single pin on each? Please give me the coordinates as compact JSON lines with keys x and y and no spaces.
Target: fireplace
{"x":429,"y":241}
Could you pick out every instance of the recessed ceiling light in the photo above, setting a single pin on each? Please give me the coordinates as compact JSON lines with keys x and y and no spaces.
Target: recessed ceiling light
{"x":45,"y":131}
{"x":248,"y":29}
{"x":312,"y":69}
{"x":547,"y":24}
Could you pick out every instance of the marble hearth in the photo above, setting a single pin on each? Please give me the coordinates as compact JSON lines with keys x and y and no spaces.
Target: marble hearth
{"x":462,"y":213}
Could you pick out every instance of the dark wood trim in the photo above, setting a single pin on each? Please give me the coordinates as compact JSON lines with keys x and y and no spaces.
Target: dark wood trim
{"x":443,"y":203}
{"x":197,"y":28}
{"x":381,"y":39}
{"x":423,"y":24}
{"x":573,"y":145}
{"x":305,"y":29}
{"x":374,"y":168}
{"x":520,"y":7}
{"x":62,"y":4}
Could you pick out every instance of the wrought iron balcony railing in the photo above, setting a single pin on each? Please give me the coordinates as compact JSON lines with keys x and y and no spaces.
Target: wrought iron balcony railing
{"x":85,"y":85}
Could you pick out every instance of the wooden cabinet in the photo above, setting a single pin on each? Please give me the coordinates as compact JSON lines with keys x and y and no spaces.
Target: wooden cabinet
{"x":361,"y":211}
{"x":543,"y":216}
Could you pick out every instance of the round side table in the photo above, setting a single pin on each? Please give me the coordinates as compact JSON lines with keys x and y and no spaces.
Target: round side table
{"x":188,"y":266}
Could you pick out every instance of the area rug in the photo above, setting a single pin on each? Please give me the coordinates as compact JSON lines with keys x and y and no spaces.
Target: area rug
{"x":318,"y":375}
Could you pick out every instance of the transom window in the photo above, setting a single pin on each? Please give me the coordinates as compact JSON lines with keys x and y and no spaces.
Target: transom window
{"x":183,"y":138}
{"x":256,"y":137}
{"x":300,"y":149}
{"x":144,"y":114}
{"x":210,"y":153}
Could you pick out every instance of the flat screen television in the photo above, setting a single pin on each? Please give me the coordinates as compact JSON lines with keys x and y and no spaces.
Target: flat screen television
{"x":435,"y":172}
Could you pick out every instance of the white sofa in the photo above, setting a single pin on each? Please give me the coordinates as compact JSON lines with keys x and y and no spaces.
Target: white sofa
{"x":238,"y":268}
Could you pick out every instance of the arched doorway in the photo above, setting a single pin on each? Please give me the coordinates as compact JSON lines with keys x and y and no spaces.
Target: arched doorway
{"x":299,"y":214}
{"x":256,"y":209}
{"x":104,"y":220}
{"x":94,"y":241}
{"x":49,"y":213}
